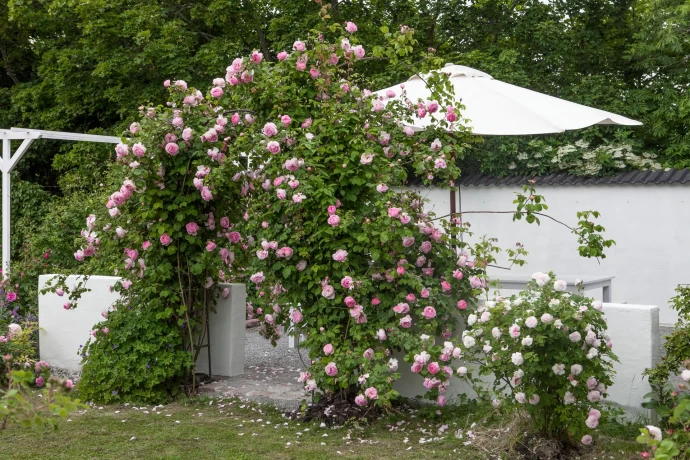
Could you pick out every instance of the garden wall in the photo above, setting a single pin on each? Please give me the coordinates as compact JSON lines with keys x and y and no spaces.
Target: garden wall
{"x":649,"y":223}
{"x":62,"y":331}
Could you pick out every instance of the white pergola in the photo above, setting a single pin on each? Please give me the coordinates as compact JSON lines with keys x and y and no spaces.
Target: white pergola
{"x":8,"y":162}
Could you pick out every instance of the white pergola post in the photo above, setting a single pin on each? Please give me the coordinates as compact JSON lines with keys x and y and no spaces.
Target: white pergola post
{"x":9,"y":162}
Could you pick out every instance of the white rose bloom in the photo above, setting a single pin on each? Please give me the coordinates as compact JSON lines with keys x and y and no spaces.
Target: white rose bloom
{"x":468,"y":341}
{"x":654,"y":432}
{"x":558,"y":324}
{"x":558,"y":369}
{"x":527,"y":341}
{"x":393,"y":364}
{"x":517,"y":358}
{"x":471,"y":319}
{"x":560,"y":285}
{"x":424,"y":337}
{"x":541,"y":278}
{"x":685,"y":375}
{"x":496,"y":332}
{"x":462,"y":371}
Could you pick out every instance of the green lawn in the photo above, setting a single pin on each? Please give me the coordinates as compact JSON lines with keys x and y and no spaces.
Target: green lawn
{"x":228,"y":428}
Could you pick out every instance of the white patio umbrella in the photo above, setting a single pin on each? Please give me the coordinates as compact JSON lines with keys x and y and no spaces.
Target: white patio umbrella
{"x":496,"y":108}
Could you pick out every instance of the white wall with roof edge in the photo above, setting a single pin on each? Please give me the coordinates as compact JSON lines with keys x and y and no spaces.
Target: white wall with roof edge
{"x":62,"y":332}
{"x":649,"y":222}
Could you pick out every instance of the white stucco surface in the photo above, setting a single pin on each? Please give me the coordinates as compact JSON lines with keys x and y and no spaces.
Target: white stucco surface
{"x":63,"y":331}
{"x":649,"y":223}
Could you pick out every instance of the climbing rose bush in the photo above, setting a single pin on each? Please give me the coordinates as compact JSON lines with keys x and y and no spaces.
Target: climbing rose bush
{"x":172,"y":222}
{"x":340,"y":251}
{"x":549,"y":353}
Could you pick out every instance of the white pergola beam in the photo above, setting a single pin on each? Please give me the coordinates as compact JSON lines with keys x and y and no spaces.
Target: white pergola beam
{"x":57,"y":135}
{"x":19,"y":154}
{"x":9,"y":162}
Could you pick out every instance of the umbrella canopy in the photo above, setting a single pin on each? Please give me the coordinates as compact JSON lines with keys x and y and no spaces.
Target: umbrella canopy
{"x":496,"y":108}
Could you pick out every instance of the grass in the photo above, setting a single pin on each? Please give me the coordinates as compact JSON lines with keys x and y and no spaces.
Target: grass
{"x":229,"y":428}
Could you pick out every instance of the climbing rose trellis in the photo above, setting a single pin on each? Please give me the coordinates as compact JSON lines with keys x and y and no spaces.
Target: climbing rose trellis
{"x":339,"y":251}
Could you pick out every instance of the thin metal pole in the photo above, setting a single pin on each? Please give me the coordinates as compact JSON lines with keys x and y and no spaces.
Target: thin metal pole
{"x":208,"y":341}
{"x":6,"y":157}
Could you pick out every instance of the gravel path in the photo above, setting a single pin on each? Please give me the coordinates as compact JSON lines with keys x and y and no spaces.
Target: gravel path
{"x":260,"y":352}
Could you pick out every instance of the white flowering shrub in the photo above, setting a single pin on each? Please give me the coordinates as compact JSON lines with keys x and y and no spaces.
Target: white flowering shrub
{"x":550,"y":356}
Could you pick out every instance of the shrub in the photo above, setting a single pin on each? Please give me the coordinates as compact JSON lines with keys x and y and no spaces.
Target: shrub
{"x":549,"y":353}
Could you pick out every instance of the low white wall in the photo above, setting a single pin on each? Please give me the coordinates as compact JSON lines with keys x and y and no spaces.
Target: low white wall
{"x":634,"y":332}
{"x":62,"y":331}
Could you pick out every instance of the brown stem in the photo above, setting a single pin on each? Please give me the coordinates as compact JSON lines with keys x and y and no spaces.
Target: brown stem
{"x":8,"y":68}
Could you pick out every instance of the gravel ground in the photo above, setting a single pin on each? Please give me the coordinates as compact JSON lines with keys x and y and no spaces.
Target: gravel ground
{"x":259,"y":352}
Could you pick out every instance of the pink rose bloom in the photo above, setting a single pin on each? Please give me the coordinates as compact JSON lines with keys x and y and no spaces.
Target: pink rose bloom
{"x":425,"y":247}
{"x":328,"y":349}
{"x":331,"y":369}
{"x":401,"y":308}
{"x":410,"y":297}
{"x":433,"y":368}
{"x":407,"y":241}
{"x":136,"y":127}
{"x":206,"y":194}
{"x":234,"y":237}
{"x":306,"y":123}
{"x":424,"y":294}
{"x":328,"y":292}
{"x":59,"y":292}
{"x":514,"y":331}
{"x":347,"y":282}
{"x":375,"y":301}
{"x":416,"y":367}
{"x":351,"y":27}
{"x":475,"y":282}
{"x":257,"y":57}
{"x":282,"y":55}
{"x":145,"y":245}
{"x":358,"y":51}
{"x":79,"y":255}
{"x":299,"y":46}
{"x":340,"y":255}
{"x":429,"y":312}
{"x":11,"y":296}
{"x":172,"y":148}
{"x":393,"y":212}
{"x":270,"y":129}
{"x":210,"y":246}
{"x":349,"y":300}
{"x":368,"y":353}
{"x":592,"y":383}
{"x":441,"y":400}
{"x":40,"y":381}
{"x":273,"y":147}
{"x":257,"y":277}
{"x":216,"y":92}
{"x":281,"y":194}
{"x":296,"y":316}
{"x":594,"y":396}
{"x":285,"y":120}
{"x":138,"y":149}
{"x":331,"y":210}
{"x":165,"y":239}
{"x":406,"y":322}
{"x":333,"y":220}
{"x":457,"y":274}
{"x":586,"y":440}
{"x":360,"y":400}
{"x":445,"y":285}
{"x":432,"y":106}
{"x":371,"y":393}
{"x":192,"y":228}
